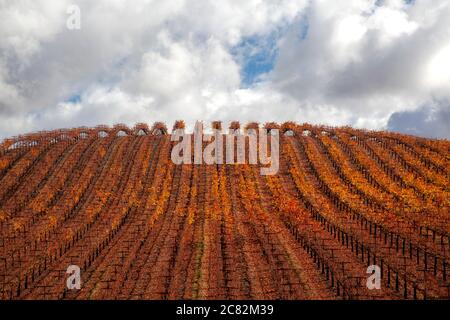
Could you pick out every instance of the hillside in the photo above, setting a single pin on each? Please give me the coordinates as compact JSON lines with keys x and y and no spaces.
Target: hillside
{"x":111,"y":201}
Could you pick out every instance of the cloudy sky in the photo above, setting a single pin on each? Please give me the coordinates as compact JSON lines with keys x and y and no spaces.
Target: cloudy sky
{"x":366,"y":63}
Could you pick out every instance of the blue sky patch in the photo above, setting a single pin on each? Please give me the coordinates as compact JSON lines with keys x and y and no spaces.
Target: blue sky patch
{"x":75,"y":98}
{"x":304,"y":27}
{"x":256,"y":55}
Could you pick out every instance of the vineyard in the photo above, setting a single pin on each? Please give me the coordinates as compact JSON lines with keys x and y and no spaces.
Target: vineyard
{"x":111,"y":201}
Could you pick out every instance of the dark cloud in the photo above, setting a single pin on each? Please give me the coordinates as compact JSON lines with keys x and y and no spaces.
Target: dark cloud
{"x":425,"y":122}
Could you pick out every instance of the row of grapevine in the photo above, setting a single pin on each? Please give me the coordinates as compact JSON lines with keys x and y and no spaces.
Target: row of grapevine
{"x":111,"y":201}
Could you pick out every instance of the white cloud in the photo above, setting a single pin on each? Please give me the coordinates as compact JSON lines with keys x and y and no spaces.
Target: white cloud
{"x":361,"y":62}
{"x":25,"y":25}
{"x":438,"y":69}
{"x":366,"y":61}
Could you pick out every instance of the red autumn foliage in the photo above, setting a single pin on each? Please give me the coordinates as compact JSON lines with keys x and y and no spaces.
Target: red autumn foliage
{"x":140,"y":226}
